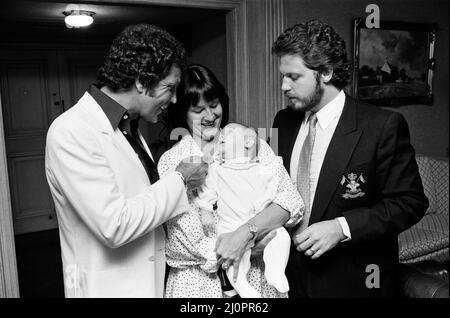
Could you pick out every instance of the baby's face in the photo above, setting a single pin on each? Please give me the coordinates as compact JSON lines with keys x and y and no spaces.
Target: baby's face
{"x":234,"y":141}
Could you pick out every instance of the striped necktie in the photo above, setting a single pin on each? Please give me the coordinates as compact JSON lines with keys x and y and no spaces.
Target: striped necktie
{"x":303,"y":171}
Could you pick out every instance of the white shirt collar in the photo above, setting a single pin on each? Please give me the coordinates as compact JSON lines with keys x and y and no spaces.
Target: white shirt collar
{"x":328,"y":112}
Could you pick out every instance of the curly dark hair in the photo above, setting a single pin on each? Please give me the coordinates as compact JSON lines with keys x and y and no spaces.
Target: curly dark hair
{"x":144,"y":52}
{"x":197,"y":81}
{"x":320,"y":47}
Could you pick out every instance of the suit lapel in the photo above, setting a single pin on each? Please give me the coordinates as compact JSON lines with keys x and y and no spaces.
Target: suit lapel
{"x":292,"y":124}
{"x":340,"y":150}
{"x":296,"y":129}
{"x":146,"y":148}
{"x":100,"y":122}
{"x":122,"y":144}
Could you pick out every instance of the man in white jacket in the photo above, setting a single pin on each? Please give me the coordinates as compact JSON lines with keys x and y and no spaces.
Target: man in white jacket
{"x":109,"y":200}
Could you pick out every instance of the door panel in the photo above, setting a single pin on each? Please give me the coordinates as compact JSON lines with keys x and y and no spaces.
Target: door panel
{"x":29,"y":83}
{"x":30,"y":198}
{"x":37,"y":86}
{"x":26,"y":84}
{"x":78,"y":70}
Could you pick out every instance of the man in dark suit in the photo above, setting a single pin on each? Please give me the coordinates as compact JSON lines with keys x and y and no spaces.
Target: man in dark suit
{"x":354,"y":167}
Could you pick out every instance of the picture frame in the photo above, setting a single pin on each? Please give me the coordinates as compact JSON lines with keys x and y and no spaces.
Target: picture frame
{"x":393,"y":64}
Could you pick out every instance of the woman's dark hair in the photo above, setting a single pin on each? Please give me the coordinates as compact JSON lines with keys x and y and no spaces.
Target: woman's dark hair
{"x":197,"y":81}
{"x":320,"y":47}
{"x":144,"y":52}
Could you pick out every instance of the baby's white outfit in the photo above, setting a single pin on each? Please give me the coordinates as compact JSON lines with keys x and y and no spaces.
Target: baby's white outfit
{"x":243,"y":188}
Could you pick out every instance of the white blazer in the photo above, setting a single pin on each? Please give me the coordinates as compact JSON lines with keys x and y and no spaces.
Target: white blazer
{"x":110,"y":217}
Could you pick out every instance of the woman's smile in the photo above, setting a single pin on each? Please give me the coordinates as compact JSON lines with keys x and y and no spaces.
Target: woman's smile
{"x":210,"y":124}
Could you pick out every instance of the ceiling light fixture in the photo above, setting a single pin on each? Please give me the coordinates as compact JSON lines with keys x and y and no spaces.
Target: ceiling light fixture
{"x":78,"y":18}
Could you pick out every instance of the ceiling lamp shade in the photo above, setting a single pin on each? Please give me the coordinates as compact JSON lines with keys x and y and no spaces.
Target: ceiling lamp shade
{"x":78,"y":18}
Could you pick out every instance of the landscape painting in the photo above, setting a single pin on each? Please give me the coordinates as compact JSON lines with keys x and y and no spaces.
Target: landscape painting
{"x":394,"y":64}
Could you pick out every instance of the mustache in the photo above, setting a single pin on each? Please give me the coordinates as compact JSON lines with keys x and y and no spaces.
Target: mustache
{"x":289,"y":95}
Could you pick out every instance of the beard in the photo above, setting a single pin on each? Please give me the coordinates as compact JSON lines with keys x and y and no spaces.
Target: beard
{"x":308,"y":103}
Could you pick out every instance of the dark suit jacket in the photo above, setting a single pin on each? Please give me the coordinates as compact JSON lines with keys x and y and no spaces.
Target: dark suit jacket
{"x":375,"y":144}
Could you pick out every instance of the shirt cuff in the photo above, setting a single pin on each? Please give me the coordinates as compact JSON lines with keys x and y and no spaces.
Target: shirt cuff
{"x":345,"y":228}
{"x":181,"y":176}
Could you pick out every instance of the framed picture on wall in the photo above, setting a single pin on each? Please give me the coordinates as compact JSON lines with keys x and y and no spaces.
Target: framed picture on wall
{"x":393,"y":64}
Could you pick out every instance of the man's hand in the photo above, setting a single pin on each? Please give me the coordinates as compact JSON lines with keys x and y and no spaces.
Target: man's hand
{"x":260,"y":245}
{"x":194,"y":170}
{"x":319,"y":238}
{"x":231,"y":246}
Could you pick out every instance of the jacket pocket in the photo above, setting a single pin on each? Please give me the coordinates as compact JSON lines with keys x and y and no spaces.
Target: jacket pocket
{"x":354,"y":186}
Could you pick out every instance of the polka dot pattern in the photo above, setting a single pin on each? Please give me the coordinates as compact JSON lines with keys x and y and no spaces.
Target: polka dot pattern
{"x":190,"y":253}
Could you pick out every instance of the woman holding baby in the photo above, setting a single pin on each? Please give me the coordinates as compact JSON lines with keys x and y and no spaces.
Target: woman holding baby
{"x":194,"y":253}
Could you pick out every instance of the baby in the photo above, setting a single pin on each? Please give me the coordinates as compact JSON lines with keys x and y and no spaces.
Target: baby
{"x":242,"y":187}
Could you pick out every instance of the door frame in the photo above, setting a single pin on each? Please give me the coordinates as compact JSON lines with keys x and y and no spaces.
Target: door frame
{"x":236,"y":41}
{"x":238,"y":86}
{"x":9,"y":283}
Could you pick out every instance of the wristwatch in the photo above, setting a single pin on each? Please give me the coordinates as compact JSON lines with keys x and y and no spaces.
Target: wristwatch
{"x":253,"y":229}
